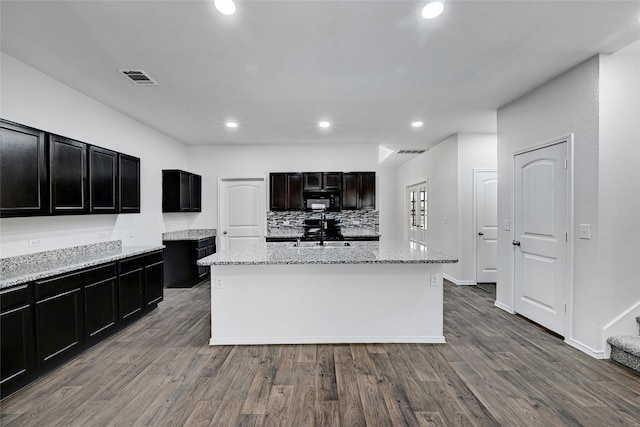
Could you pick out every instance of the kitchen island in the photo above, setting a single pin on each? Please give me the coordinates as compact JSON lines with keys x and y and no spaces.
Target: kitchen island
{"x":368,"y":292}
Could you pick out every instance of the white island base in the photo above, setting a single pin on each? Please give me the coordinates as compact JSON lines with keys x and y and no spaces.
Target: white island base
{"x":326,"y":303}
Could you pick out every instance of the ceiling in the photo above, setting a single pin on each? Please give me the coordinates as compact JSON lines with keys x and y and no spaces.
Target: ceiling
{"x":278,"y":67}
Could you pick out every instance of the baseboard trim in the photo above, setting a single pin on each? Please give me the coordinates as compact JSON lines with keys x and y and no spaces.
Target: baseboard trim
{"x":597,"y":354}
{"x":329,"y":340}
{"x":504,"y":307}
{"x":459,"y":282}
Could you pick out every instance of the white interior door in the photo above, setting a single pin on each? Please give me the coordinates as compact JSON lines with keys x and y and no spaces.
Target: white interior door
{"x":241,"y":212}
{"x":486,"y":208}
{"x":540,"y":229}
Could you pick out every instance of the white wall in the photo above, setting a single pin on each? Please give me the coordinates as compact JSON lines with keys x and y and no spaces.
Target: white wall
{"x":619,"y":188}
{"x":32,"y":98}
{"x":448,"y":168}
{"x":474,"y":151}
{"x":217,"y":161}
{"x":568,"y":104}
{"x":439,"y":167}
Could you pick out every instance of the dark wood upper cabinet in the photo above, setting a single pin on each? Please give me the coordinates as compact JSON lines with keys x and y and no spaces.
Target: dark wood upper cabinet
{"x":181,"y":191}
{"x":128,"y":184}
{"x":24,"y":187}
{"x":358,"y":190}
{"x":312,"y":181}
{"x":46,"y":174}
{"x":286,"y":191}
{"x":68,"y":166}
{"x":332,"y":180}
{"x":103,"y":180}
{"x":320,"y":181}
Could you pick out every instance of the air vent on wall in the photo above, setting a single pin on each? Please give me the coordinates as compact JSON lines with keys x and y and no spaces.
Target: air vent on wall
{"x":138,"y":77}
{"x":411,"y":151}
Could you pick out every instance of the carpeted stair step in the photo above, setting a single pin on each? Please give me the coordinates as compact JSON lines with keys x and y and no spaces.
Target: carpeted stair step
{"x":625,"y":349}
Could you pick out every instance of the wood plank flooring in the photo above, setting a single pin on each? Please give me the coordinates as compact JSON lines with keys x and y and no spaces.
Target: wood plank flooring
{"x":495,"y":370}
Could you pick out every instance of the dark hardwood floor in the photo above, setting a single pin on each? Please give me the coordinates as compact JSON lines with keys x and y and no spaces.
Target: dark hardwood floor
{"x":496,"y":369}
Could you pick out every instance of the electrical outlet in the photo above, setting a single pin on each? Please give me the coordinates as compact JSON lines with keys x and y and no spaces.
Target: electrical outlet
{"x":102,"y":235}
{"x":435,"y":279}
{"x":34,"y":243}
{"x":219,"y":283}
{"x":286,"y":223}
{"x":132,"y":234}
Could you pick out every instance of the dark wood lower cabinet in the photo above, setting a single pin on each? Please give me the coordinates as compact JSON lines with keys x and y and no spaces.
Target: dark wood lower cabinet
{"x":45,"y":323}
{"x":17,"y":346}
{"x":181,"y":256}
{"x":59,"y":325}
{"x":130,"y":291}
{"x":101,"y":307}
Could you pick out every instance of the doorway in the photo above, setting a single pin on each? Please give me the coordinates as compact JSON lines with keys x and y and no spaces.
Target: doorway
{"x":417,"y":210}
{"x":540,"y":244}
{"x":486,"y":225}
{"x":241,"y":212}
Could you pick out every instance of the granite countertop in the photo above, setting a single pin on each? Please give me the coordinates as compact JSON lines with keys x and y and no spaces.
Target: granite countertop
{"x":26,"y":268}
{"x":295,"y":232}
{"x":357,"y":253}
{"x":193,"y":234}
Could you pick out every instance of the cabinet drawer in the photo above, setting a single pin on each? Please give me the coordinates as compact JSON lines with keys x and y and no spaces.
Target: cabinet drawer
{"x":140,"y":261}
{"x":13,"y":297}
{"x":206,"y":242}
{"x":74,"y":280}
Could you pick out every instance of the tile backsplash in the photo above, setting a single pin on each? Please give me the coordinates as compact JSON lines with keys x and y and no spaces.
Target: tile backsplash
{"x":278,"y":220}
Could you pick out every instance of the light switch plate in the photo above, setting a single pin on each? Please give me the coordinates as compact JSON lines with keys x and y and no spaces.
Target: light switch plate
{"x":507,"y":225}
{"x":585,"y":231}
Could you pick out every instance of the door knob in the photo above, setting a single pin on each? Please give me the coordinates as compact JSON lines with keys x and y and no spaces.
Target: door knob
{"x":515,"y":243}
{"x":480,"y":233}
{"x":224,"y":232}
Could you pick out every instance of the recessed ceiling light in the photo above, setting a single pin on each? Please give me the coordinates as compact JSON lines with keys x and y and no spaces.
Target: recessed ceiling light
{"x":226,"y":7}
{"x":324,"y":124}
{"x":432,"y":10}
{"x":231,"y":124}
{"x":417,"y":124}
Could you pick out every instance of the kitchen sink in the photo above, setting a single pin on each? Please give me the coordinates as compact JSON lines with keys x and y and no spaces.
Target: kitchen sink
{"x":318,"y":245}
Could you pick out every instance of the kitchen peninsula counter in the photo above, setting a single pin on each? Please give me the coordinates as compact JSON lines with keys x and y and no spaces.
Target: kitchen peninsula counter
{"x":369,"y":292}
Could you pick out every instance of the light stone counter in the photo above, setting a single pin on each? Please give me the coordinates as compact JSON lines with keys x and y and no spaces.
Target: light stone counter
{"x":357,"y":253}
{"x":370,"y":292}
{"x":191,"y":234}
{"x":26,"y":268}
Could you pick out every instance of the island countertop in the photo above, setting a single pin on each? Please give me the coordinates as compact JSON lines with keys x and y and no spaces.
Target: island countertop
{"x":357,"y":253}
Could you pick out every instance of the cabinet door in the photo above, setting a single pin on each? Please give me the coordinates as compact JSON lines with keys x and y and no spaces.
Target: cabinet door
{"x":185,"y":191}
{"x":332,"y":180}
{"x":312,"y":181}
{"x":23,"y":171}
{"x":367,"y":190}
{"x":68,"y":165}
{"x":59,"y":325}
{"x":17,"y":349}
{"x":294,"y":200}
{"x":350,"y":190}
{"x":153,"y":283}
{"x":103,"y":168}
{"x":195,"y":193}
{"x":129,"y":184}
{"x":101,"y":307}
{"x":130,"y":290}
{"x":278,"y":191}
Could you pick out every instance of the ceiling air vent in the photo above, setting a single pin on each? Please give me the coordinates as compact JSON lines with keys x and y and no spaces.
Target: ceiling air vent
{"x":411,"y":151}
{"x":138,"y":77}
